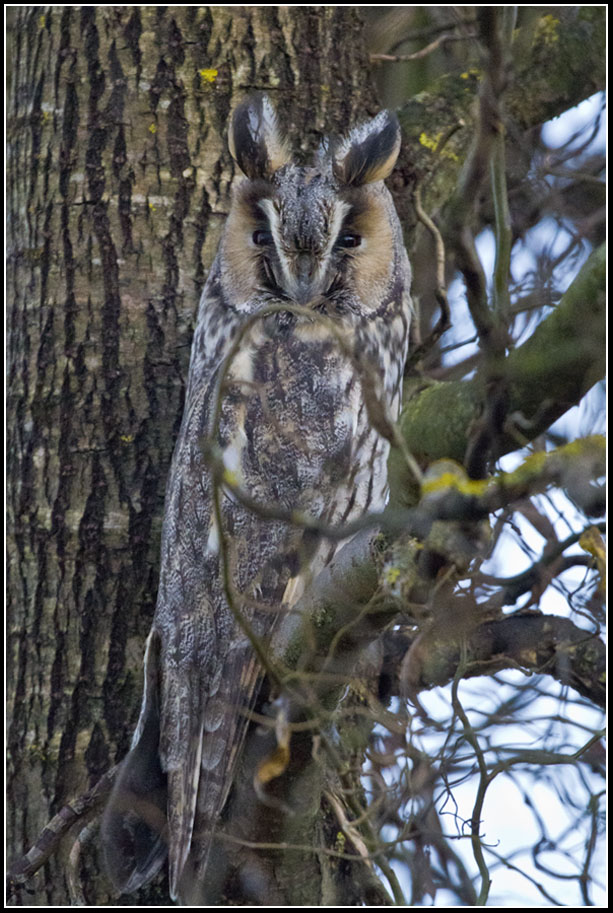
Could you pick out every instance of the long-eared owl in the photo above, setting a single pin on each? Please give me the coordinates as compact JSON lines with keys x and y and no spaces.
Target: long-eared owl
{"x":302,"y":327}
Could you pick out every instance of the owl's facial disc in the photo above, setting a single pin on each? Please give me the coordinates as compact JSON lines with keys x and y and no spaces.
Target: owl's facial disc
{"x":303,"y":234}
{"x":301,"y":237}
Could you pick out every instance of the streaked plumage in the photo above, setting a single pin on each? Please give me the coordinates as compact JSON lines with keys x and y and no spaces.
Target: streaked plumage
{"x":293,"y":430}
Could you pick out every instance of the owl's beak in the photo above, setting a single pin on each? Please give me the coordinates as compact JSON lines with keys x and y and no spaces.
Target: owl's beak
{"x":308,"y":284}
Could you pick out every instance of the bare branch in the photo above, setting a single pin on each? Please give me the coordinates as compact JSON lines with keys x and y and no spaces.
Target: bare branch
{"x":78,"y":811}
{"x":424,"y":52}
{"x":538,"y":643}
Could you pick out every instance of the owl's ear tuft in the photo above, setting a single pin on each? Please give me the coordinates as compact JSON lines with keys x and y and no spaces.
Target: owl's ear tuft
{"x":256,"y":143}
{"x":369,"y":152}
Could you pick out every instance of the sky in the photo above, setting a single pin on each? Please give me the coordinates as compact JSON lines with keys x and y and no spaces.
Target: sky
{"x":519,"y":807}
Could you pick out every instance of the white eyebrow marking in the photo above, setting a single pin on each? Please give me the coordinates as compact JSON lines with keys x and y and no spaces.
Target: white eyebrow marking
{"x":273,"y":220}
{"x":340,"y":211}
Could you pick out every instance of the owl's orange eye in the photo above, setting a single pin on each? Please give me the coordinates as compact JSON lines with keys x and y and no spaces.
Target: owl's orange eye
{"x":262,"y":238}
{"x":349,"y":239}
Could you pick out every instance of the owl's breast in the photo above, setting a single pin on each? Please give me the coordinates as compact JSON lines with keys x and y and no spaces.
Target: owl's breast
{"x":292,"y":420}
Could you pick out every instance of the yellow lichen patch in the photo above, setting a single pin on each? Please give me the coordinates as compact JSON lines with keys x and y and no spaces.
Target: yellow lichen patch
{"x":547,"y":29}
{"x":430,"y":142}
{"x":434,"y":143}
{"x":153,"y":128}
{"x":591,"y":448}
{"x":592,"y":542}
{"x":532,"y":465}
{"x":535,"y":474}
{"x":447,"y":474}
{"x":450,"y":480}
{"x":209,"y":75}
{"x":391,"y":575}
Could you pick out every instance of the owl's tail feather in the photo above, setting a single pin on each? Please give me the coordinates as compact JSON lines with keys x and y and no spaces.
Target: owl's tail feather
{"x":160,"y":807}
{"x":199,"y":874}
{"x":134,"y":827}
{"x":182,"y":793}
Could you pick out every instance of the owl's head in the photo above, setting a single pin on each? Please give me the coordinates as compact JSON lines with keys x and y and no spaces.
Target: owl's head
{"x":325,"y":236}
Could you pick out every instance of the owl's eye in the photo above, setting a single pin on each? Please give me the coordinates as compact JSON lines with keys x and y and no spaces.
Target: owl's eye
{"x":349,"y":239}
{"x":262,"y":238}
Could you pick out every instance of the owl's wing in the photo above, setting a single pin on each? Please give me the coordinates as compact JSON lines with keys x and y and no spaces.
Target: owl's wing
{"x":152,"y":807}
{"x":200,"y":677}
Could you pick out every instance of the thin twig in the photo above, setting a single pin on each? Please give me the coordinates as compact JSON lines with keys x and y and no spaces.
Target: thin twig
{"x":53,"y":833}
{"x":440,"y":292}
{"x":484,"y":782}
{"x":75,"y":888}
{"x":499,"y":55}
{"x":435,"y":29}
{"x":419,"y":55}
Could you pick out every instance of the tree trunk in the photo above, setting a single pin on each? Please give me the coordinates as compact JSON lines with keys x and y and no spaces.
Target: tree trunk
{"x":118,"y":178}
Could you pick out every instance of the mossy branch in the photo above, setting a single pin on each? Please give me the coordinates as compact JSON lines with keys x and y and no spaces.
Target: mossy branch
{"x":558,"y":62}
{"x":549,"y":373}
{"x":530,"y":640}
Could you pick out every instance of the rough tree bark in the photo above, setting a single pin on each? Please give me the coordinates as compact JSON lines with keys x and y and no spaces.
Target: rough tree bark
{"x":119,"y":176}
{"x":118,"y":180}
